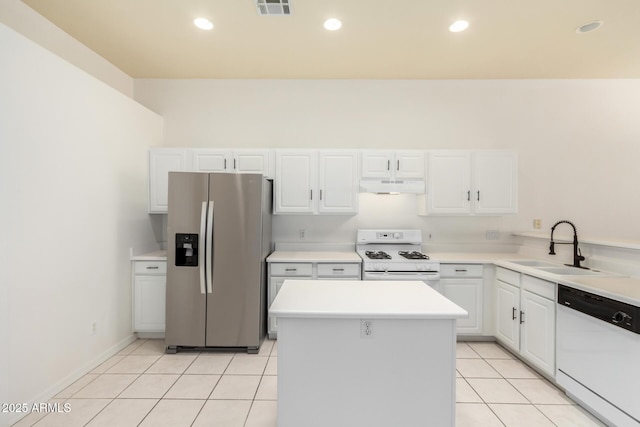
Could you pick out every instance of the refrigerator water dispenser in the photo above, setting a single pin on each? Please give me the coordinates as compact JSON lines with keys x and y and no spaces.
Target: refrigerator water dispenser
{"x":186,"y":250}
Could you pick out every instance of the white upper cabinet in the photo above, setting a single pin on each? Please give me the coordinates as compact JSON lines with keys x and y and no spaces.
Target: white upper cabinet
{"x":232,"y":161}
{"x":296,"y":179}
{"x":164,"y":160}
{"x":161,"y":162}
{"x":316,"y":182}
{"x":472,"y":182}
{"x":206,"y":160}
{"x":338,"y":182}
{"x":495,"y":182}
{"x":253,"y":161}
{"x":409,"y":164}
{"x":448,"y":182}
{"x":393,"y":164}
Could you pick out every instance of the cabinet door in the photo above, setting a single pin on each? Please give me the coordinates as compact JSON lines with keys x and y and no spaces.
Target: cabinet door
{"x":295,"y":182}
{"x":409,"y":164}
{"x":495,"y":179}
{"x":149,"y":306}
{"x":467,"y":293}
{"x":338,"y":182}
{"x":449,"y":186}
{"x":537,"y":339}
{"x":252,"y":161}
{"x":211,"y":160}
{"x":377,"y":164}
{"x":507,"y":314}
{"x":161,"y":162}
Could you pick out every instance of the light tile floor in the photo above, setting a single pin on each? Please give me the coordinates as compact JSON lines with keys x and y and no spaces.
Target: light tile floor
{"x":143,"y":386}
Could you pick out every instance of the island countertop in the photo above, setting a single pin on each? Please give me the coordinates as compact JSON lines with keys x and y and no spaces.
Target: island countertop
{"x":362,"y":299}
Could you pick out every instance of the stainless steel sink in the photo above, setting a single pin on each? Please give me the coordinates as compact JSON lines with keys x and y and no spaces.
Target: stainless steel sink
{"x":570,"y":271}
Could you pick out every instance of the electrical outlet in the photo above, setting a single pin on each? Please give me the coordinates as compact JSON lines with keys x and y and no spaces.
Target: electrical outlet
{"x":366,"y":329}
{"x":537,"y":223}
{"x":302,"y":234}
{"x":492,"y":235}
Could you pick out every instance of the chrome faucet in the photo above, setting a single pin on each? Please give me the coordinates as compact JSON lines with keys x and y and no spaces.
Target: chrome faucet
{"x":577,"y":255}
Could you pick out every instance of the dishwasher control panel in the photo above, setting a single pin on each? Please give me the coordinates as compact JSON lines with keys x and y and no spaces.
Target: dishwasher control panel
{"x":617,"y":313}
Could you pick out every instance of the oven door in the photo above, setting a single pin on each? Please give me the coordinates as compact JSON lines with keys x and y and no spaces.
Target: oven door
{"x":430,"y":278}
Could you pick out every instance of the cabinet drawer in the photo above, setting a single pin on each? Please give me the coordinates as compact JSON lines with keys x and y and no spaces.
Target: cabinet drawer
{"x":339,"y":270}
{"x":150,"y":267}
{"x":291,"y":269}
{"x":540,"y":287}
{"x":461,"y":270}
{"x":508,"y":276}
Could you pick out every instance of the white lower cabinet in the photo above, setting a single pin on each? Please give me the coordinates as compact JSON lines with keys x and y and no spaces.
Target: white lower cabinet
{"x":149,"y":296}
{"x":463,"y":284}
{"x":281,"y":271}
{"x":526,"y":317}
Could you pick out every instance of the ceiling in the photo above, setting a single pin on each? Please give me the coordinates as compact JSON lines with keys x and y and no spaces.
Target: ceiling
{"x":401,"y":39}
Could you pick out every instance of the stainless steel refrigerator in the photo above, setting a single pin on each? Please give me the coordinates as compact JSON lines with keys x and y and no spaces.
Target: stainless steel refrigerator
{"x":218,"y":239}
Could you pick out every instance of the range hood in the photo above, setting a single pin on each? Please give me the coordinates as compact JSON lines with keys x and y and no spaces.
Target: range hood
{"x":388,"y":186}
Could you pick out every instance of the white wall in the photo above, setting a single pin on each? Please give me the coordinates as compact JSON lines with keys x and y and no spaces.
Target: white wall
{"x":73,"y":182}
{"x":17,"y":15}
{"x":577,"y":140}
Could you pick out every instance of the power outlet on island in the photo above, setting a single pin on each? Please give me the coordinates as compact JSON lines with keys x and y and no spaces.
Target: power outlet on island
{"x":366,"y":329}
{"x":492,"y":235}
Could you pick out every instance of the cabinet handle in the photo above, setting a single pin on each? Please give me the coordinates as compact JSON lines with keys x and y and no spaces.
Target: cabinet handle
{"x":398,"y":167}
{"x":469,"y":196}
{"x":478,"y":195}
{"x":320,"y":194}
{"x":290,"y":269}
{"x":338,"y":269}
{"x":513,"y":313}
{"x":521,"y":317}
{"x":311,"y":194}
{"x":234,"y":164}
{"x":460,"y":271}
{"x":388,"y":164}
{"x":153,"y":268}
{"x":225,"y":164}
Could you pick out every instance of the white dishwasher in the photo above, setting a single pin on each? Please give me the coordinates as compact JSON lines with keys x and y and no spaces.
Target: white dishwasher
{"x":598,"y":354}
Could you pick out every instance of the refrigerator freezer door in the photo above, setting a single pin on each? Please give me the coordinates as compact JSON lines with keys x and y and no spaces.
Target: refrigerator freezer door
{"x":233,"y":306}
{"x":186,"y":302}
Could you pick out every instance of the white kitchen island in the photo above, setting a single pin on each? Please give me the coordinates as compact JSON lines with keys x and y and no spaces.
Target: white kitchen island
{"x":365,"y":354}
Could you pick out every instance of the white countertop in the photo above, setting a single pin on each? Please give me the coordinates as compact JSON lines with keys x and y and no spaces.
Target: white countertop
{"x":471,"y":257}
{"x":151,"y":256}
{"x":314,"y":256}
{"x":363,"y":300}
{"x":609,"y":285}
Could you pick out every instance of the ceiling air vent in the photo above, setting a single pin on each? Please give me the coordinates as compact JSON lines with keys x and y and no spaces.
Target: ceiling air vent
{"x":273,"y":7}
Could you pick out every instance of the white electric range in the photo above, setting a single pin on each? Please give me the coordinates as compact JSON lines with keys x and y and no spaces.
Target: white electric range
{"x":393,"y":254}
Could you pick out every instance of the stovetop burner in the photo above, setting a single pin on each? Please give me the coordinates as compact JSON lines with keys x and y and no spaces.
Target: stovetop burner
{"x":377,"y":255}
{"x":413,"y":255}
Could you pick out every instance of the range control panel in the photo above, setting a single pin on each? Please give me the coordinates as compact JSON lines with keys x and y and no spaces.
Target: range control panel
{"x":389,"y":235}
{"x":397,"y":236}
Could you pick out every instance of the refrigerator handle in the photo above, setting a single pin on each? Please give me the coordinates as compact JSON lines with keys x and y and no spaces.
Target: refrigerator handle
{"x":201,"y":240}
{"x":210,"y":248}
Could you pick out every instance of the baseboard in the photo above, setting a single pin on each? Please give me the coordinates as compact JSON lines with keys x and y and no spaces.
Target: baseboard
{"x":74,"y":376}
{"x":151,"y":335}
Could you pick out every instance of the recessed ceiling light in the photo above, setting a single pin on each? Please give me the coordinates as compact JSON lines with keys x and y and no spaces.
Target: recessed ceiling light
{"x":203,"y":23}
{"x":332,"y":24}
{"x":458,"y":26}
{"x":589,"y":26}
